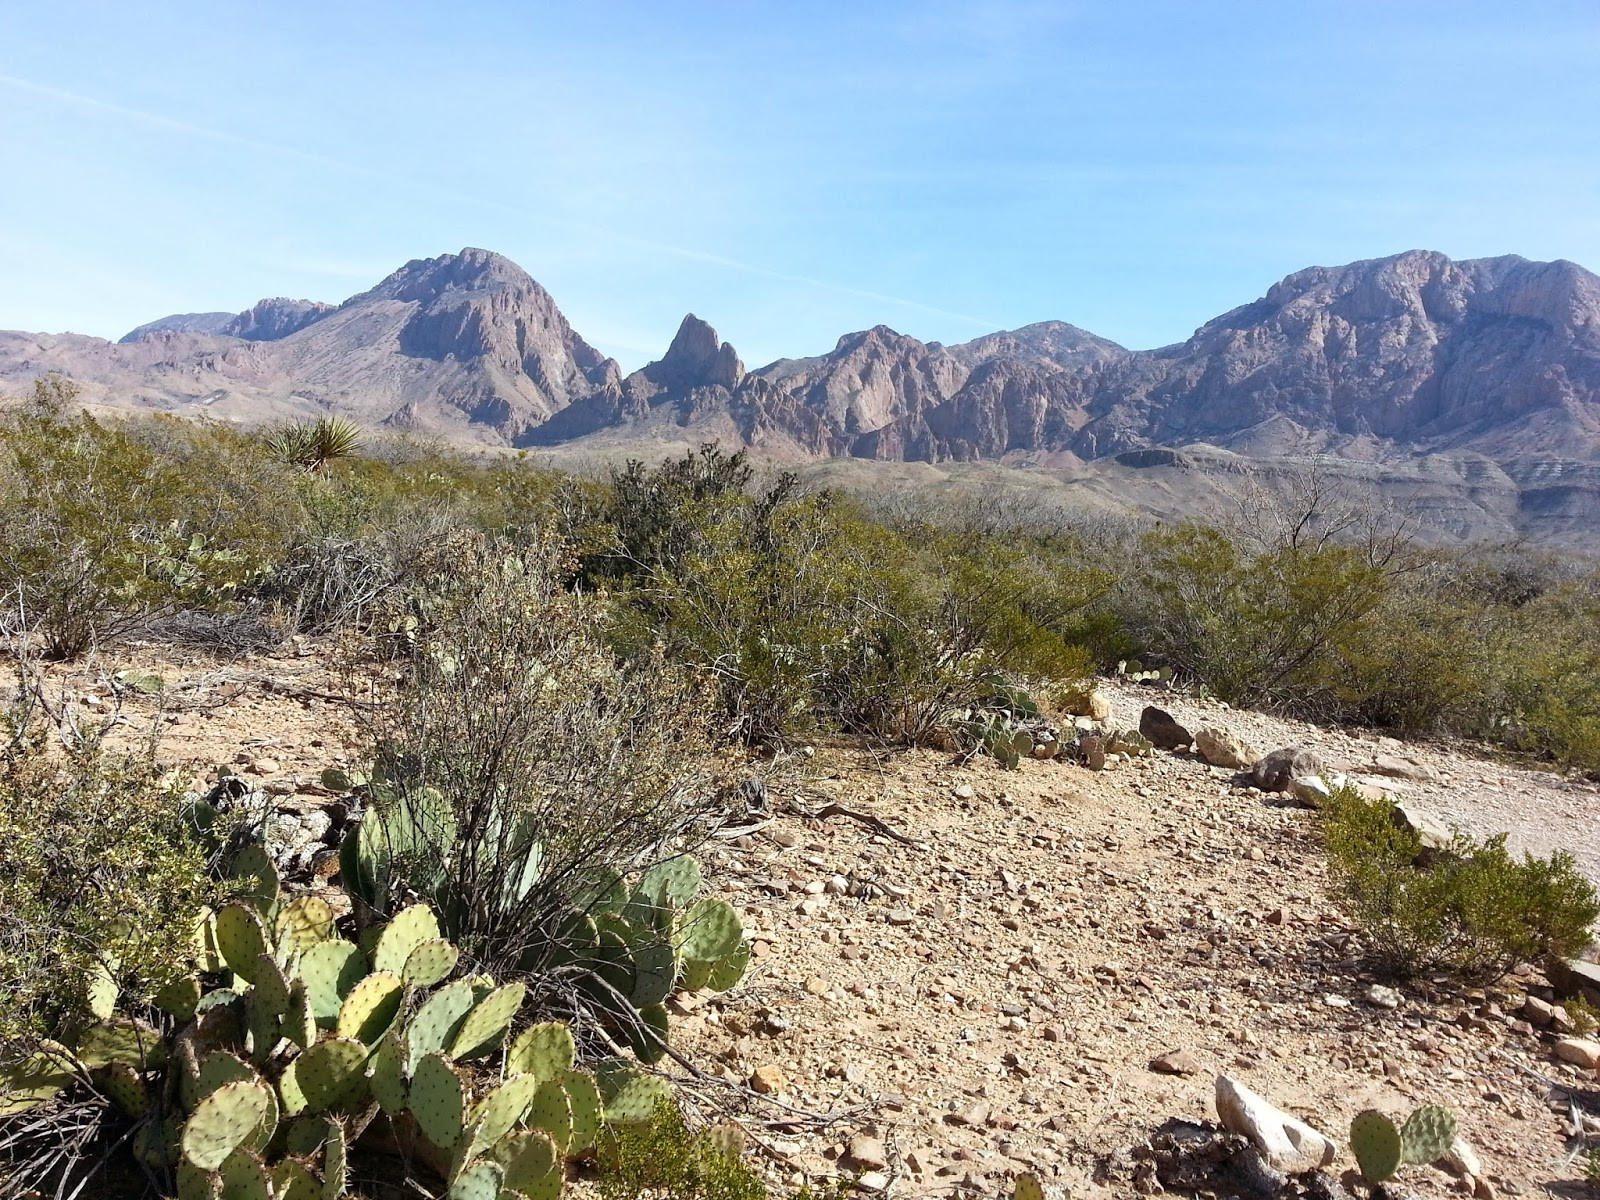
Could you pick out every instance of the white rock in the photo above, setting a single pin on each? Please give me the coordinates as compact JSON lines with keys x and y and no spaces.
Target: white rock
{"x":1286,"y":1143}
{"x":1223,"y":748}
{"x":1383,"y":997}
{"x":1462,"y":1159}
{"x":964,"y":791}
{"x":1578,"y":1051}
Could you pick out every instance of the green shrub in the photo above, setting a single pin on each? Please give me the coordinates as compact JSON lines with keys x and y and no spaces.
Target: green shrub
{"x":1470,"y":909}
{"x":100,"y":874}
{"x":662,"y":1160}
{"x":100,"y":528}
{"x":1256,"y":629}
{"x":514,"y":728}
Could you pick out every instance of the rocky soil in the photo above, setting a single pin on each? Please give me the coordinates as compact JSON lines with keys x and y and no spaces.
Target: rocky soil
{"x":1059,"y":963}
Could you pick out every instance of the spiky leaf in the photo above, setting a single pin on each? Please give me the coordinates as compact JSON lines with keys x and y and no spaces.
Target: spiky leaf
{"x":488,"y":1023}
{"x":438,"y":1100}
{"x":408,"y":930}
{"x":371,"y":1008}
{"x":223,"y":1121}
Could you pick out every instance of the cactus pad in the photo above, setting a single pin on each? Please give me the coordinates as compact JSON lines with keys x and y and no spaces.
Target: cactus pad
{"x":543,"y":1051}
{"x":370,"y":1008}
{"x":583,"y":1097}
{"x":408,"y":930}
{"x":241,"y":940}
{"x":195,"y":1184}
{"x":1376,"y":1144}
{"x":332,"y":1074}
{"x":438,"y":1100}
{"x":302,"y":923}
{"x":124,"y":1087}
{"x":551,"y":1111}
{"x":647,"y":1033}
{"x":631,"y":1097}
{"x":673,"y":883}
{"x":386,"y":1074}
{"x":488,"y":1023}
{"x":727,"y":972}
{"x":330,"y":969}
{"x":437,"y":1021}
{"x":655,"y":966}
{"x":533,"y":1167}
{"x":498,"y":1113}
{"x":1027,"y":1187}
{"x":263,"y":1024}
{"x":429,"y":962}
{"x":179,"y":997}
{"x":220,"y":1067}
{"x":710,"y":930}
{"x":1427,"y":1134}
{"x":223,"y":1121}
{"x":245,"y":1177}
{"x":272,"y":986}
{"x":300,"y":1023}
{"x":480,"y":1181}
{"x":335,"y":1162}
{"x":292,"y":1180}
{"x":695,"y":975}
{"x":304,"y":1136}
{"x":123,"y":1040}
{"x":258,"y":876}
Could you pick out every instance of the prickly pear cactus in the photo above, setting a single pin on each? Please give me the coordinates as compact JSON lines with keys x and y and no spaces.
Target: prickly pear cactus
{"x":1376,"y":1144}
{"x":1427,"y":1134}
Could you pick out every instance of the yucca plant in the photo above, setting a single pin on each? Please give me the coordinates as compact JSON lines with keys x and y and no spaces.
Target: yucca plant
{"x":312,"y":445}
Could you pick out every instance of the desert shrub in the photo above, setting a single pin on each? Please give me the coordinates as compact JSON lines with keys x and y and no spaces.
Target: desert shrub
{"x":542,"y":762}
{"x":1470,"y":909}
{"x":1257,"y":629}
{"x":100,"y":528}
{"x":663,"y":1160}
{"x":100,"y":875}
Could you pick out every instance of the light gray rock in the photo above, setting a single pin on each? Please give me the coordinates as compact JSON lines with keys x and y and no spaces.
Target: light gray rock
{"x":1274,"y":772}
{"x":1224,"y":748}
{"x":1286,"y":1143}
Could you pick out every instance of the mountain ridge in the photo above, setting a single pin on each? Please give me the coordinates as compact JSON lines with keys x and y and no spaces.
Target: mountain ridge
{"x":1411,"y":353}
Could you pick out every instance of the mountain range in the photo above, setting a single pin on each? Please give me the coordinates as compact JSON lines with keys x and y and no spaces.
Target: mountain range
{"x":1385,"y":361}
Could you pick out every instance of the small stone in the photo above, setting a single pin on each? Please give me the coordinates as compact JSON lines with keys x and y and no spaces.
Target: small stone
{"x":1175,"y":1062}
{"x":1382,"y":997}
{"x":902,"y":917}
{"x":964,"y":791}
{"x":867,"y":1153}
{"x":1462,"y":1159}
{"x":1273,"y":772}
{"x":1256,"y":854}
{"x":768,"y":1080}
{"x":1222,"y":748}
{"x":784,"y":837}
{"x":873,"y":1181}
{"x":1053,"y":1033}
{"x":1580,"y":1052}
{"x":1162,"y":729}
{"x":817,"y":986}
{"x":266,"y":766}
{"x":1334,"y":1000}
{"x":838,"y":885}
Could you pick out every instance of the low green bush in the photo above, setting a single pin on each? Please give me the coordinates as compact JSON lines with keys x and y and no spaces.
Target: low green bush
{"x":1470,"y":909}
{"x":101,"y":529}
{"x":100,"y":875}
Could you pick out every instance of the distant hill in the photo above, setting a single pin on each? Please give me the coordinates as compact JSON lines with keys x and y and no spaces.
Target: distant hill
{"x":1377,"y":361}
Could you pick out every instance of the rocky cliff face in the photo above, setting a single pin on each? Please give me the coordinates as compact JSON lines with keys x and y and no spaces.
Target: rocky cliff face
{"x":1385,"y":357}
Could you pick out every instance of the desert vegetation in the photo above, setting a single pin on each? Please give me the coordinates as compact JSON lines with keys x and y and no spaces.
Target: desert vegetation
{"x":555,"y":669}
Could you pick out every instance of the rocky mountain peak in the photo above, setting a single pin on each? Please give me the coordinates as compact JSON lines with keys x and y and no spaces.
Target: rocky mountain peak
{"x":697,"y":357}
{"x":206,"y":323}
{"x":278,"y":317}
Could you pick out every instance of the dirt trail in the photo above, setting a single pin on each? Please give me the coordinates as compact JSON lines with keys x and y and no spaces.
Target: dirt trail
{"x":990,"y":1000}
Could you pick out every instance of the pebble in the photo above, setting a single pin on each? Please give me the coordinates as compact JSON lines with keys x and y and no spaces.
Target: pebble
{"x":265,"y":766}
{"x":902,"y":917}
{"x":867,"y":1153}
{"x":1383,"y":997}
{"x":964,"y":791}
{"x":1175,"y":1062}
{"x":768,"y":1080}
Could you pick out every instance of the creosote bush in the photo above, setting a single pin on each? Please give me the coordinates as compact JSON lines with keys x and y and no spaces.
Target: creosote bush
{"x":532,"y":756}
{"x":1471,"y":909}
{"x":100,"y":528}
{"x":100,"y":875}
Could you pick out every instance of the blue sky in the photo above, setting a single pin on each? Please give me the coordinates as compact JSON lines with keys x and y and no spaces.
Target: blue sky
{"x":789,"y":171}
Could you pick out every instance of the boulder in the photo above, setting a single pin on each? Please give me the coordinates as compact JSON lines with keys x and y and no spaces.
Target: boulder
{"x":1224,"y":748}
{"x":1286,"y":1143}
{"x":1162,"y":729}
{"x":1575,"y":977}
{"x":1580,"y":1052}
{"x":1397,"y":766}
{"x":1274,"y":772}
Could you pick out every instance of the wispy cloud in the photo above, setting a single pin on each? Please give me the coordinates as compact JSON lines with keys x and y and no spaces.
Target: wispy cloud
{"x":158,"y":121}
